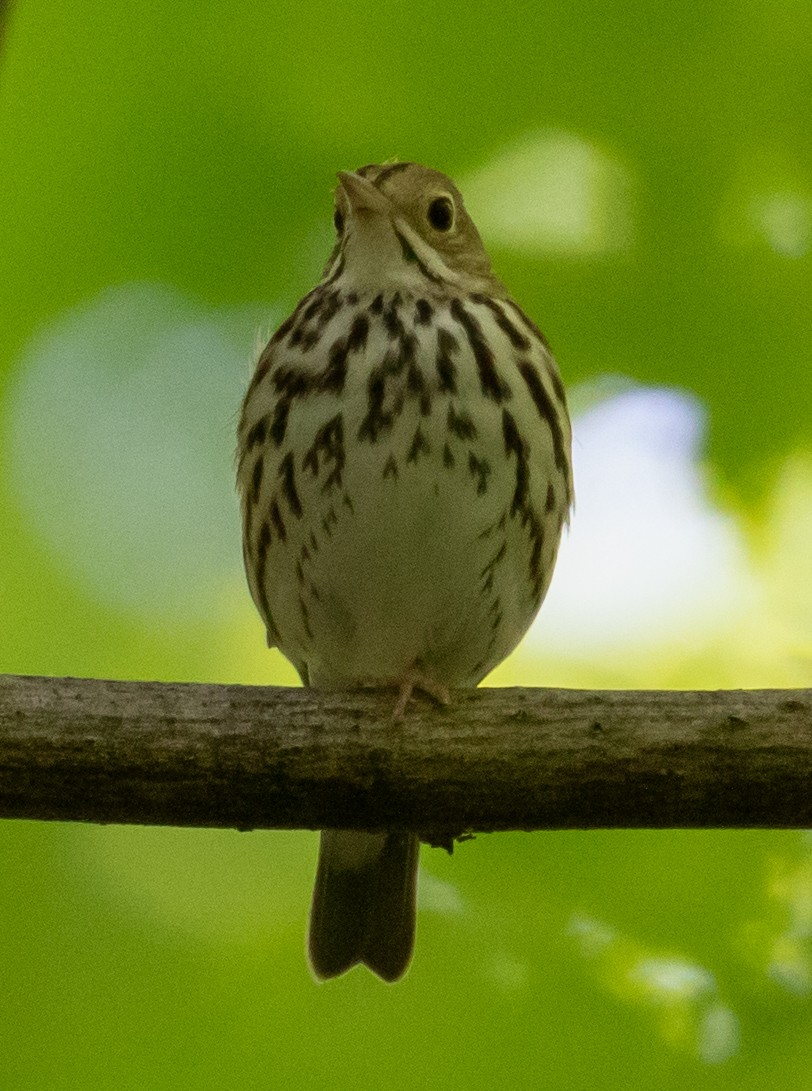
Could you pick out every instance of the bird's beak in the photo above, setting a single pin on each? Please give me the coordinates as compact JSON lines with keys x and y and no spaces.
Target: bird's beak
{"x":361,"y":193}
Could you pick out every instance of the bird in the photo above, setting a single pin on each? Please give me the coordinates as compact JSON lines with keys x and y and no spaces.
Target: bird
{"x":405,"y":474}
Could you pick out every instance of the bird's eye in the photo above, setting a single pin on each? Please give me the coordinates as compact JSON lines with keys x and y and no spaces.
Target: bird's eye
{"x":338,"y":220}
{"x":441,"y":214}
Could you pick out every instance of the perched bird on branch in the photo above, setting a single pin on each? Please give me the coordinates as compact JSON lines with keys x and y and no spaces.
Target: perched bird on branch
{"x":405,"y":474}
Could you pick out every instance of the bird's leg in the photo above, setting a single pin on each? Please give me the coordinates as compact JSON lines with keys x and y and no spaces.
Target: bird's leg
{"x":413,"y":679}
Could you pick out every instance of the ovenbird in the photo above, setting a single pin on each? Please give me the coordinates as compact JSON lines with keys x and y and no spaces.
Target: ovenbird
{"x":405,"y":473}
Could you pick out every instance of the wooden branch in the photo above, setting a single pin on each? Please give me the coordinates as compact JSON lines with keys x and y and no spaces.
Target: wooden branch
{"x":496,"y":759}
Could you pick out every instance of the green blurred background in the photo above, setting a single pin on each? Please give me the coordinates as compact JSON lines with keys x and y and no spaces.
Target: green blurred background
{"x":642,"y":174}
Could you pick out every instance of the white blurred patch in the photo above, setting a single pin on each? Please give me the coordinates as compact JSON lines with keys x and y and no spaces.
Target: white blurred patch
{"x":780,"y":942}
{"x":553,"y":192}
{"x":718,"y":1035}
{"x":648,"y":557}
{"x":768,"y":200}
{"x":664,"y":978}
{"x":593,"y":936}
{"x":438,"y":896}
{"x":122,"y":433}
{"x":784,"y":219}
{"x":508,"y":973}
{"x":679,"y":996}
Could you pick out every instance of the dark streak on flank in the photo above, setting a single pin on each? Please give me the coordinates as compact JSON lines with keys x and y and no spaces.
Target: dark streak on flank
{"x":416,"y":387}
{"x":323,"y":305}
{"x":423,"y":312}
{"x":257,"y":433}
{"x":263,"y":543}
{"x":515,"y":444}
{"x":546,"y":410}
{"x":460,"y":425}
{"x":391,"y":468}
{"x":332,"y":305}
{"x":408,"y":348}
{"x":305,"y":617}
{"x":514,"y":335}
{"x":315,"y":305}
{"x":420,"y":445}
{"x":286,"y":472}
{"x":376,"y":420}
{"x":446,"y":368}
{"x":310,"y":339}
{"x":264,"y":363}
{"x":479,"y":469}
{"x":537,"y":538}
{"x":332,"y":378}
{"x":495,"y":560}
{"x":289,"y":383}
{"x":528,"y":323}
{"x":292,"y":382}
{"x":555,"y":379}
{"x":376,"y":306}
{"x":256,"y":478}
{"x":329,"y":521}
{"x":357,"y":338}
{"x":489,"y":380}
{"x":328,"y":445}
{"x":391,"y":319}
{"x":379,"y":421}
{"x":448,"y":457}
{"x":276,"y":519}
{"x":549,"y":503}
{"x":280,"y":420}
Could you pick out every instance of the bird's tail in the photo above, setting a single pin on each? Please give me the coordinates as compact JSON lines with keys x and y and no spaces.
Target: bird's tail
{"x":364,"y":903}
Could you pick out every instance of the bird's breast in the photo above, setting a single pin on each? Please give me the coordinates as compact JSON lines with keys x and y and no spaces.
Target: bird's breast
{"x":404,"y":480}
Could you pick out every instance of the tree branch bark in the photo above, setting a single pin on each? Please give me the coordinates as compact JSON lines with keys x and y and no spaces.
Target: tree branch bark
{"x":496,"y":759}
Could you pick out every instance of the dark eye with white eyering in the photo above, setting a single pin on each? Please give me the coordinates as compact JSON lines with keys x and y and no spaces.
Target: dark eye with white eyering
{"x":338,"y":220}
{"x":441,"y":213}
